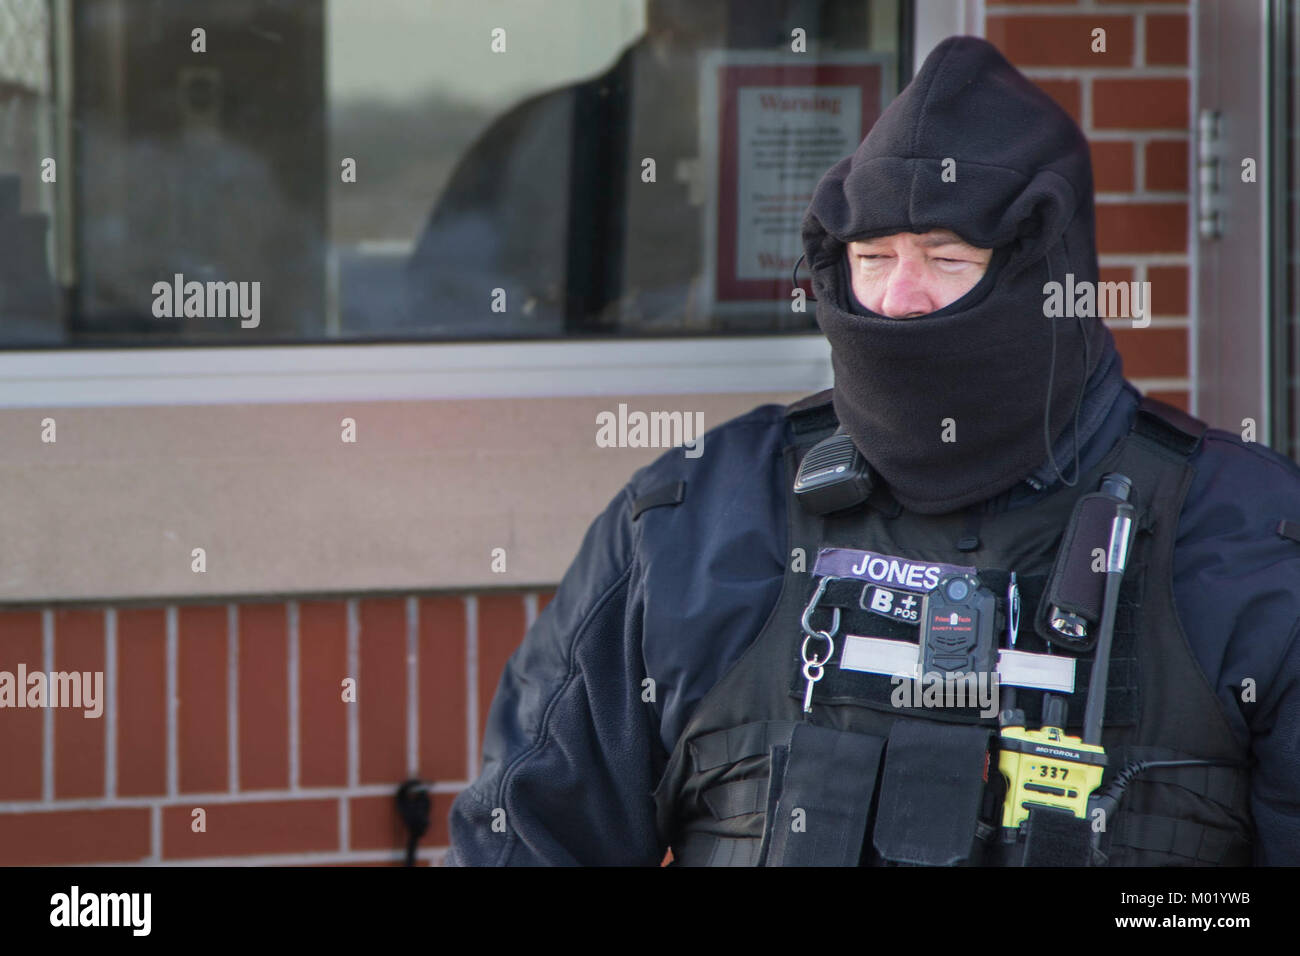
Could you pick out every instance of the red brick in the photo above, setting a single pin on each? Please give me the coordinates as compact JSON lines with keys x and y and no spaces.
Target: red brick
{"x":544,"y":598}
{"x":1179,"y":399}
{"x":1143,"y":103}
{"x":263,"y":697}
{"x":1152,"y":352}
{"x":1056,"y":40}
{"x":1117,"y":304}
{"x":78,"y":739}
{"x":242,"y":829}
{"x":201,"y":682}
{"x":1067,"y":95}
{"x":74,"y":836}
{"x":322,"y":713}
{"x":500,"y":632}
{"x":1169,"y":293}
{"x":1166,"y":39}
{"x":443,"y":694}
{"x":381,"y":693}
{"x":374,"y":824}
{"x":141,"y":702}
{"x":1166,"y":165}
{"x":22,"y":729}
{"x":1112,"y":166}
{"x":1141,"y":227}
{"x":1115,"y":274}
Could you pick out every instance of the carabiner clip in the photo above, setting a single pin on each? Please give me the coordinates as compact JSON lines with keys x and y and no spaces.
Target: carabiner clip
{"x":812,"y":606}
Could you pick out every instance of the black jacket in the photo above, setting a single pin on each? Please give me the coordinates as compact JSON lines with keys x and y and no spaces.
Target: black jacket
{"x":675,"y":593}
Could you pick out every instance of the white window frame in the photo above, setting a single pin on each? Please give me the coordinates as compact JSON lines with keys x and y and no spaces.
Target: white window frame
{"x":937,"y":19}
{"x":306,"y":373}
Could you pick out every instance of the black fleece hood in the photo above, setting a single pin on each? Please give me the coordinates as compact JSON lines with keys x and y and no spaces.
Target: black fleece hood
{"x":956,"y":406}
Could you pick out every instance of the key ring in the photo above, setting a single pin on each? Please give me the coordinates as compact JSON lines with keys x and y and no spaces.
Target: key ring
{"x":817,"y":660}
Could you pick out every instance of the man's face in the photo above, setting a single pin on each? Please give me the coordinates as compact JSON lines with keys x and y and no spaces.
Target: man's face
{"x":908,"y":274}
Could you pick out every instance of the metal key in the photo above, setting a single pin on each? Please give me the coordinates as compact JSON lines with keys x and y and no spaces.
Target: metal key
{"x":815,"y":666}
{"x":809,"y":666}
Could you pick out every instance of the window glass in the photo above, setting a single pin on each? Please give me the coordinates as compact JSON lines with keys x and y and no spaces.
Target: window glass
{"x":249,"y":171}
{"x":28,"y":296}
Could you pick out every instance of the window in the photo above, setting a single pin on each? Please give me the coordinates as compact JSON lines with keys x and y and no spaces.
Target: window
{"x":28,"y":297}
{"x":386,"y":170}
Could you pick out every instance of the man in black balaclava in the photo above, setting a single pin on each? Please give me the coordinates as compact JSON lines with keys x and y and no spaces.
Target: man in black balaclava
{"x":974,"y":149}
{"x":679,"y":690}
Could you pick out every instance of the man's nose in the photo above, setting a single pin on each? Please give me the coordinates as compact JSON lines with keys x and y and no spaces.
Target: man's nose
{"x":906,"y":292}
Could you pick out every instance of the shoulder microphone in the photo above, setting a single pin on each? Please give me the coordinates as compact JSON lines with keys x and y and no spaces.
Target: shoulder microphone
{"x":833,"y":476}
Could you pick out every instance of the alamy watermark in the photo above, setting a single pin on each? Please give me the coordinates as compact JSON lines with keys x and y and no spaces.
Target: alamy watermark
{"x":651,"y":430}
{"x":1107,"y":300}
{"x":208,"y":300}
{"x":76,"y":689}
{"x":130,"y":910}
{"x":965,"y":689}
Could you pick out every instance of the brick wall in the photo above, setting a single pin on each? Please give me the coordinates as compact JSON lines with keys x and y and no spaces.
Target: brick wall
{"x":258,"y":734}
{"x":1133,"y":102}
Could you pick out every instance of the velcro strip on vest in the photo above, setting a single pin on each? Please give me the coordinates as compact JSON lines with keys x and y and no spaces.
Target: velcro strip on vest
{"x":1185,"y":838}
{"x":820,"y":815}
{"x":736,"y":743}
{"x":1124,"y":679}
{"x":713,"y":850}
{"x":736,"y":798}
{"x":1057,"y":837}
{"x":931,"y":792}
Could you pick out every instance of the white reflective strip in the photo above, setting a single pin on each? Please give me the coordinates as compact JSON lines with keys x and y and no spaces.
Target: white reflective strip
{"x":875,"y":655}
{"x":1043,"y":671}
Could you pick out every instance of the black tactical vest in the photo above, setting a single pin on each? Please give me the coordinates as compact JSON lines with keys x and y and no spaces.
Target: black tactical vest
{"x":753,"y":780}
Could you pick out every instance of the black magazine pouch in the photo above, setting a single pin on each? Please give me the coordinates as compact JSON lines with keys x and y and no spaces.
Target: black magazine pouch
{"x":931,"y":794}
{"x":819,"y":797}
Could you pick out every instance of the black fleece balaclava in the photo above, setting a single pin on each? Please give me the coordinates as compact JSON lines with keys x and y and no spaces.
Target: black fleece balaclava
{"x":1018,"y":181}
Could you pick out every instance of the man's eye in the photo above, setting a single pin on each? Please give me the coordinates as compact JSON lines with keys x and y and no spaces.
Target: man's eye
{"x":950,"y":260}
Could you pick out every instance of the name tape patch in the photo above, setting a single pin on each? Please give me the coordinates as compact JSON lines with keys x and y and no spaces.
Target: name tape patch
{"x":884,"y":569}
